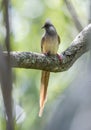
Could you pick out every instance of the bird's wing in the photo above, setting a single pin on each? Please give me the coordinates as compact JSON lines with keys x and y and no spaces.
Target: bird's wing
{"x":42,"y":42}
{"x":59,"y":40}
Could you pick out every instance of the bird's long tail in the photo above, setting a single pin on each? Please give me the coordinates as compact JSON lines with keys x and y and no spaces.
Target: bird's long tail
{"x":43,"y":90}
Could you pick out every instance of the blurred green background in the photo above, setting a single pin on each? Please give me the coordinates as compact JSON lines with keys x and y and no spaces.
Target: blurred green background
{"x":26,"y":20}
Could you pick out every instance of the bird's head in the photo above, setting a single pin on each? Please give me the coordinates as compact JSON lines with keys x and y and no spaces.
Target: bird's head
{"x":47,"y":24}
{"x":49,"y":27}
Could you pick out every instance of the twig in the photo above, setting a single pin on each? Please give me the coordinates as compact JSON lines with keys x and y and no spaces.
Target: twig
{"x":7,"y":86}
{"x":74,"y":15}
{"x":89,"y":12}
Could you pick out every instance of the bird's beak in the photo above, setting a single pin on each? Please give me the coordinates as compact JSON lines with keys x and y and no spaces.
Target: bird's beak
{"x":42,"y":27}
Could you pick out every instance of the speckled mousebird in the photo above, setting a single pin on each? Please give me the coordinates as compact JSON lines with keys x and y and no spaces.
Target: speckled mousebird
{"x":49,"y":45}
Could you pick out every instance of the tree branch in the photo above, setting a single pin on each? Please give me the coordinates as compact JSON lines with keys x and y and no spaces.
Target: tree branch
{"x":79,"y":46}
{"x":89,"y":11}
{"x":74,"y":15}
{"x":6,"y":85}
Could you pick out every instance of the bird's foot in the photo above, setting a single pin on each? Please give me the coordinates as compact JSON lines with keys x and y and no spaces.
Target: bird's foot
{"x":59,"y":57}
{"x":47,"y":53}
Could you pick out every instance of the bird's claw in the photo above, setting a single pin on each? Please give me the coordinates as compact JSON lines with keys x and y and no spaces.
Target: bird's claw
{"x":59,"y":57}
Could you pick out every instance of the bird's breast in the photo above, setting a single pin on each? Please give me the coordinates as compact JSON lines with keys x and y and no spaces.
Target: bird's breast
{"x":50,"y":45}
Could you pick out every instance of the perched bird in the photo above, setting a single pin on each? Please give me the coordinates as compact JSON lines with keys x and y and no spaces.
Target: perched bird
{"x":49,"y":45}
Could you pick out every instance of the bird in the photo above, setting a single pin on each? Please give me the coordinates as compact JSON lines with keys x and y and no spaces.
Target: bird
{"x":49,"y":45}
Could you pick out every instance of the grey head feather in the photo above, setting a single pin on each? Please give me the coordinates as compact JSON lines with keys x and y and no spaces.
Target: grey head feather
{"x":49,"y":28}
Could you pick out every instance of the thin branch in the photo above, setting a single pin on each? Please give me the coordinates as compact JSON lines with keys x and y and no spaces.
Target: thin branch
{"x":89,"y":21}
{"x":30,"y":60}
{"x":74,"y":15}
{"x":89,"y":11}
{"x":6,"y":20}
{"x":7,"y":85}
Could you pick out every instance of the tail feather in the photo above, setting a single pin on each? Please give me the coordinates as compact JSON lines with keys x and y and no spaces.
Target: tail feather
{"x":43,"y":90}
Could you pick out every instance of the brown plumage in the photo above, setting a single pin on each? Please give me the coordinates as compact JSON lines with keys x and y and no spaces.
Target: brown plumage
{"x":49,"y":45}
